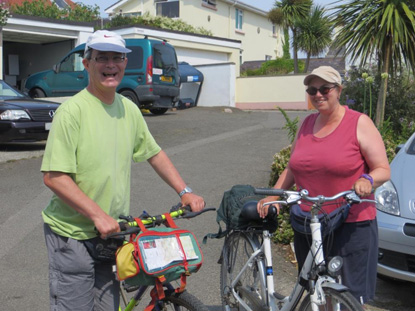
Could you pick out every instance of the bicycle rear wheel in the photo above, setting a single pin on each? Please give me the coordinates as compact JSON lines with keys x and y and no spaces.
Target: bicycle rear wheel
{"x":237,"y":249}
{"x":336,"y":301}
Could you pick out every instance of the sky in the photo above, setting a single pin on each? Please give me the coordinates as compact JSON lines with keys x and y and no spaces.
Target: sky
{"x":265,"y":5}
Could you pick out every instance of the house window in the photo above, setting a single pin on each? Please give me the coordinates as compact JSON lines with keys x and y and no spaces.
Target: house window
{"x":209,"y":2}
{"x":268,"y":57}
{"x":168,"y":8}
{"x":239,"y":16}
{"x":274,"y":30}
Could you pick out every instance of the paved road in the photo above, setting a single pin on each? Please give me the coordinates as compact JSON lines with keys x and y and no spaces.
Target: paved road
{"x":212,"y":149}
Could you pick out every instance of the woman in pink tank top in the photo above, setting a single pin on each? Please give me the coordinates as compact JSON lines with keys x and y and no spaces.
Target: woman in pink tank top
{"x":338,"y":149}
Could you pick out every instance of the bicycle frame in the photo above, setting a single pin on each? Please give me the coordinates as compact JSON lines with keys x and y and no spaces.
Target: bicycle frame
{"x":315,"y":258}
{"x":135,"y":300}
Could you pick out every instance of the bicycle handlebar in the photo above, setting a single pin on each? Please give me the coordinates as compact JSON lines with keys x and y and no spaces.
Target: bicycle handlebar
{"x":130,"y":226}
{"x":294,"y":197}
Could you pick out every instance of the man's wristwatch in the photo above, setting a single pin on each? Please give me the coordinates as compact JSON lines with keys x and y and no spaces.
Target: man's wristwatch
{"x":184,"y":191}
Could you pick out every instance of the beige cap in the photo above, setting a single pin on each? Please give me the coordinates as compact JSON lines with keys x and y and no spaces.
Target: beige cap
{"x":326,"y":73}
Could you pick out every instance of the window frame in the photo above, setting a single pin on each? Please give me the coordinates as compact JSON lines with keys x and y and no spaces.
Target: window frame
{"x":157,"y":2}
{"x":239,"y":19}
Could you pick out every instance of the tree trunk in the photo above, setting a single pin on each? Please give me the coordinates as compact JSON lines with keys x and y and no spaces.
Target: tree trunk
{"x":295,"y":50}
{"x":380,"y":107}
{"x":286,"y":46}
{"x":307,"y":62}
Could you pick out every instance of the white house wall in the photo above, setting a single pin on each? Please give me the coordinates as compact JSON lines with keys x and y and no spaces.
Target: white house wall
{"x":256,"y":36}
{"x":198,"y":57}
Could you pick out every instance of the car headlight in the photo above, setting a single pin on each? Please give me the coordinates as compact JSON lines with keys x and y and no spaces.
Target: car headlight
{"x":387,"y":199}
{"x":13,"y":115}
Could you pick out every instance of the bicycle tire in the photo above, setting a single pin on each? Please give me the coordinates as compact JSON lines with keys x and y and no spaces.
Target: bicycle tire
{"x":236,"y":252}
{"x":344,"y":301}
{"x":183,"y":301}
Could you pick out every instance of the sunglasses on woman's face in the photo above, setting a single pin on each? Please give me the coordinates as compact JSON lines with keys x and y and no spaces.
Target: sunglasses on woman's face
{"x":324,"y":90}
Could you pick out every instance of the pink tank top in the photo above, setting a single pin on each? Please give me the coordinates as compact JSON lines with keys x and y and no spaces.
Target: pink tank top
{"x":331,"y":164}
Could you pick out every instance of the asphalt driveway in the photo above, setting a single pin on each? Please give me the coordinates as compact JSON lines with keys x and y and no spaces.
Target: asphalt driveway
{"x":212,"y":148}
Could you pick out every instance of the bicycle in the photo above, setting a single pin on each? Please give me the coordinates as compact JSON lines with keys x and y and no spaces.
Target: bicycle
{"x":172,"y":300}
{"x":247,"y":281}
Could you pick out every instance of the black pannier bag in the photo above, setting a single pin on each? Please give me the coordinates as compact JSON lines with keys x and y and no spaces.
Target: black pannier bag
{"x":230,"y":210}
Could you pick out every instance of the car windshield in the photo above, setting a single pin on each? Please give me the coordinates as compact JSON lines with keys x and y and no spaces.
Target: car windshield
{"x":7,"y":92}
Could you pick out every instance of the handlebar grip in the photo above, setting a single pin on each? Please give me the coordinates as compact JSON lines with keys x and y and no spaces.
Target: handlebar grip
{"x":123,"y":226}
{"x":270,"y":191}
{"x":194,"y":214}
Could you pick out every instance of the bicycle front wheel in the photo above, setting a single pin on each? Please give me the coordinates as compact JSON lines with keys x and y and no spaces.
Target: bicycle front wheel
{"x":182,"y":302}
{"x":238,"y":248}
{"x":335,"y":301}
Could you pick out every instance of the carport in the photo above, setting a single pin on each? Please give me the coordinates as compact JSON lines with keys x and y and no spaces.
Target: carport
{"x":31,"y":44}
{"x":191,"y":81}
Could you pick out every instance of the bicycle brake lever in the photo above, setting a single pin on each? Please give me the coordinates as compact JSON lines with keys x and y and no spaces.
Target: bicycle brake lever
{"x":354,"y":198}
{"x":127,"y":218}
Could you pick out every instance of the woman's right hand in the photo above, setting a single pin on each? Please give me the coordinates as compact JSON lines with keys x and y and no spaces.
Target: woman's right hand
{"x":263,"y":210}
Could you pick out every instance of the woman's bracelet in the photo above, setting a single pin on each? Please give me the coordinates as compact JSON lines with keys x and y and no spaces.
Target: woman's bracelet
{"x":368,"y":177}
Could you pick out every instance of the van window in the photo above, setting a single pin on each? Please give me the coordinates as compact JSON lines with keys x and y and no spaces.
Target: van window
{"x":135,"y":57}
{"x":72,"y":63}
{"x":163,"y":56}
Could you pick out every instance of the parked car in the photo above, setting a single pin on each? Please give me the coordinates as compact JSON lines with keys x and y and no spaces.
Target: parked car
{"x":151,"y":78}
{"x":23,"y":118}
{"x":396,"y":217}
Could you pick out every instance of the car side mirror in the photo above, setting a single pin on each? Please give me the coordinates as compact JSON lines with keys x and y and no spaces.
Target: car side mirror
{"x":56,"y":68}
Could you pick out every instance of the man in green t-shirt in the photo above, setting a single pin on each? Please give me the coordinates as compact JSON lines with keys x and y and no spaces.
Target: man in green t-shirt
{"x":87,"y":164}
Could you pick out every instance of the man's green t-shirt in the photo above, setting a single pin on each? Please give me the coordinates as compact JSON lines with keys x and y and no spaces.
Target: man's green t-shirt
{"x":95,"y":143}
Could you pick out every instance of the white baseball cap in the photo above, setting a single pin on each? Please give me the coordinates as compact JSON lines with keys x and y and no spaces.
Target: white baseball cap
{"x":106,"y":41}
{"x":326,"y":73}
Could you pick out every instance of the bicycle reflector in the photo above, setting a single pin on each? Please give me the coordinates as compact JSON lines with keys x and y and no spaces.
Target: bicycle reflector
{"x":335,"y":265}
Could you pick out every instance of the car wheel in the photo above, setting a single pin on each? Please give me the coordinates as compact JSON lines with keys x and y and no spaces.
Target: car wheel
{"x":37,"y":93}
{"x":130,"y":95}
{"x":158,"y":111}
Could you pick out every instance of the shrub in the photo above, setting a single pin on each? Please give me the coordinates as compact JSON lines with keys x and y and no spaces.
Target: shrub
{"x":43,"y":8}
{"x":361,"y":86}
{"x":279,"y":66}
{"x":158,"y":22}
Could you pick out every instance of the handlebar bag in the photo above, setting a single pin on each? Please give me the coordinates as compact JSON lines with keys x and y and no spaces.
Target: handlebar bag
{"x":300,"y":220}
{"x":164,"y":255}
{"x":126,"y":262}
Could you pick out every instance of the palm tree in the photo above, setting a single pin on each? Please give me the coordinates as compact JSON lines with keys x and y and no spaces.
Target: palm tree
{"x":285,"y":14}
{"x":314,"y":33}
{"x":383,"y":30}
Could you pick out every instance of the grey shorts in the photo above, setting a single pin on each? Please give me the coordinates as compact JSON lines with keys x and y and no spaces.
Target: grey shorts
{"x":76,"y":282}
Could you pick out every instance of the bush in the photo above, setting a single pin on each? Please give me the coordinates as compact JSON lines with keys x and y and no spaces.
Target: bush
{"x":279,"y":66}
{"x":158,"y":22}
{"x":361,"y":87}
